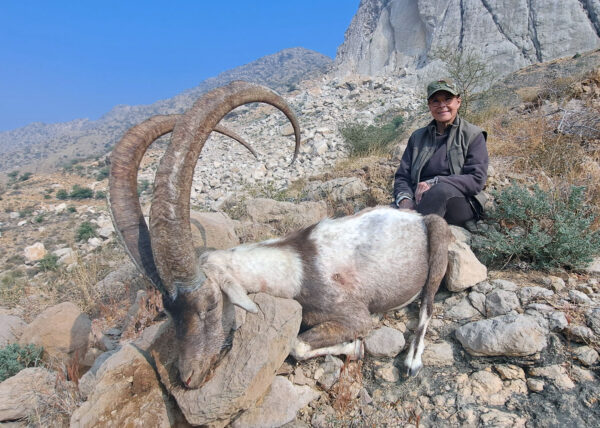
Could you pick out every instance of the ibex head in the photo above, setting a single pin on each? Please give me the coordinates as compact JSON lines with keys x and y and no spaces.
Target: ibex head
{"x":165,"y":252}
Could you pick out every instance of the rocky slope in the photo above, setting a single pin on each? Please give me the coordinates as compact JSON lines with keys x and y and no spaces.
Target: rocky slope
{"x":400,"y":36}
{"x":42,"y":147}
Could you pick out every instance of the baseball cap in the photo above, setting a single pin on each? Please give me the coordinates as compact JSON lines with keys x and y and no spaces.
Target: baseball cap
{"x":441,"y":85}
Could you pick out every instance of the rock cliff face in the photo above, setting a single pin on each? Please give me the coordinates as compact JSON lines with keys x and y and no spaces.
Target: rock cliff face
{"x":399,"y":36}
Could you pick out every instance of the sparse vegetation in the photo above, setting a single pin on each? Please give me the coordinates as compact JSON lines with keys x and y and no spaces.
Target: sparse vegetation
{"x":49,"y":262}
{"x":14,"y":358}
{"x":25,"y":176}
{"x":102,"y":173}
{"x":143,"y":185}
{"x":81,"y":192}
{"x":364,"y":140}
{"x":468,"y":69}
{"x":85,"y":231}
{"x":540,"y":229}
{"x":100,"y":195}
{"x":62,"y":194}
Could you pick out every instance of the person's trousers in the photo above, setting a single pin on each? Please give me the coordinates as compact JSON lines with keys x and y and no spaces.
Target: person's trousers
{"x":446,"y":201}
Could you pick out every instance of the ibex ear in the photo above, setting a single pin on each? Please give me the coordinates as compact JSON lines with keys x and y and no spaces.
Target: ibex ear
{"x":237,"y":295}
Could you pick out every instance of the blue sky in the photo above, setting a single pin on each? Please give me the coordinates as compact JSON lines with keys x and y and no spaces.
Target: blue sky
{"x":62,"y":60}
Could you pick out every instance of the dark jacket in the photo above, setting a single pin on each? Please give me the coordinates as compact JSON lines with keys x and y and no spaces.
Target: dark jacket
{"x":467,"y":159}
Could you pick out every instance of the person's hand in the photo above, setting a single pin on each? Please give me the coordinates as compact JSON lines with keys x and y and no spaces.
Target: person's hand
{"x":407,"y":204}
{"x":422,"y":187}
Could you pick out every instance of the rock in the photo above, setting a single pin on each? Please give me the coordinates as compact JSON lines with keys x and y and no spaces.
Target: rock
{"x":478,"y":301}
{"x":535,"y":385}
{"x":557,"y":284}
{"x":338,"y":189}
{"x":592,"y":318}
{"x":290,"y":215}
{"x":245,"y":373}
{"x":300,"y":378}
{"x":557,"y":321}
{"x":498,"y":418}
{"x":88,"y":381}
{"x":35,"y":252}
{"x":62,"y":331}
{"x":582,"y":375}
{"x":460,"y":234}
{"x":587,"y":355}
{"x":504,"y":285}
{"x":11,"y":328}
{"x":527,"y":294}
{"x":279,"y":405}
{"x":438,"y":354}
{"x":384,"y":342}
{"x":579,"y":297}
{"x":115,"y":283}
{"x":579,"y":333}
{"x":127,"y":393}
{"x":106,"y":231}
{"x":31,"y":392}
{"x":388,"y":373}
{"x":557,"y":374}
{"x":509,"y":335}
{"x":594,"y":266}
{"x":464,"y":270}
{"x":486,"y":387}
{"x":462,"y":311}
{"x":510,"y":371}
{"x":500,"y":302}
{"x":66,"y":256}
{"x":213,"y":230}
{"x":328,"y":372}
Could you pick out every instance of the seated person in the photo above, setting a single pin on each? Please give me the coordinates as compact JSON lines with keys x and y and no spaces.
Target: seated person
{"x":444,"y":167}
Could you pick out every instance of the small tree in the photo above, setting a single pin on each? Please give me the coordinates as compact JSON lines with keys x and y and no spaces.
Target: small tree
{"x":467,"y":68}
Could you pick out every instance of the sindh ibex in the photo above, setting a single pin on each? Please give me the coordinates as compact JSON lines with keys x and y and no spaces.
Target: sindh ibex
{"x":340,"y":270}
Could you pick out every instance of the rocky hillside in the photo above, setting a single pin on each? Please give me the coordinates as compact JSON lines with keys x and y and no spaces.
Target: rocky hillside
{"x":400,"y":36}
{"x":43,"y":147}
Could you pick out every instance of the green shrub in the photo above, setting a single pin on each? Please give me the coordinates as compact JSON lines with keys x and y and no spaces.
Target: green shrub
{"x":102,"y":173}
{"x":540,"y":229}
{"x":85,"y":231}
{"x":39,"y":218}
{"x":79,"y":192}
{"x":62,"y":195}
{"x":71,"y":209}
{"x":362,"y":140}
{"x":25,"y":176}
{"x":14,"y":358}
{"x":13,"y":175}
{"x":100,"y":195}
{"x":49,"y":262}
{"x":143,"y":185}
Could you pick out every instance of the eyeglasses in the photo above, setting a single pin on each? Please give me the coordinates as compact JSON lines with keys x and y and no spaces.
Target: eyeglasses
{"x":438,"y":103}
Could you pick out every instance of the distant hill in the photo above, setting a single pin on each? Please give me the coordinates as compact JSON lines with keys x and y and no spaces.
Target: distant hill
{"x":43,"y":147}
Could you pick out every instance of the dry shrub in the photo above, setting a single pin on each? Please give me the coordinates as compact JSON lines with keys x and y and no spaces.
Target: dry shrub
{"x":348,"y":385}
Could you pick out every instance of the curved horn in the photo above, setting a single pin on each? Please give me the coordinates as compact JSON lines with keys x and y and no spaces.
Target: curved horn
{"x":228,"y":133}
{"x":170,"y":211}
{"x":123,"y":199}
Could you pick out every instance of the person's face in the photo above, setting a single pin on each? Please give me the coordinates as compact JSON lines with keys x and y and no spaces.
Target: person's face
{"x":444,"y":107}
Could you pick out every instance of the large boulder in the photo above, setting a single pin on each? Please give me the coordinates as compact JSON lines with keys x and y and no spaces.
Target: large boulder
{"x":62,"y":331}
{"x":213,"y":230}
{"x":245,"y":374}
{"x":509,"y":335}
{"x":464,"y":270}
{"x":30,"y":392}
{"x":279,"y":406}
{"x":127,"y":392}
{"x":339,"y":189}
{"x":285,"y":215}
{"x":11,"y":328}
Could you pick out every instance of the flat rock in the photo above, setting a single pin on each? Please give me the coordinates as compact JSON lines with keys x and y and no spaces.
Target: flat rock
{"x":579,"y":297}
{"x":62,"y":330}
{"x":509,"y":335}
{"x":557,"y":374}
{"x":438,"y":354}
{"x":462,"y":311}
{"x":464,"y":270}
{"x":245,"y":374}
{"x":328,"y":372}
{"x":11,"y":328}
{"x":527,"y":294}
{"x":500,"y":302}
{"x":586,"y":354}
{"x":388,"y":373}
{"x":592,"y":319}
{"x":213,"y":230}
{"x":35,"y":252}
{"x":384,"y":342}
{"x":278,"y":407}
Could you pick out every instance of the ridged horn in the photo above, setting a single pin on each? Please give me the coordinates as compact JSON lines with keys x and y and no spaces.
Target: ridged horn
{"x":169,"y":215}
{"x":123,"y":200}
